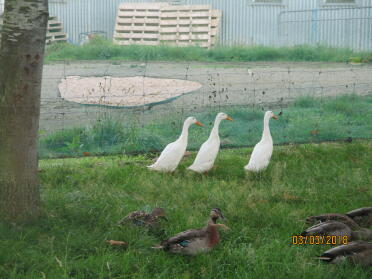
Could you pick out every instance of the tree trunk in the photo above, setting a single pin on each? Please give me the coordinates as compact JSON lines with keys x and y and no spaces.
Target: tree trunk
{"x":21,"y":65}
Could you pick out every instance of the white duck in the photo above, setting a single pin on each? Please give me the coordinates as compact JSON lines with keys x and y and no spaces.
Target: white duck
{"x":261,"y":154}
{"x":208,"y":151}
{"x":172,"y":154}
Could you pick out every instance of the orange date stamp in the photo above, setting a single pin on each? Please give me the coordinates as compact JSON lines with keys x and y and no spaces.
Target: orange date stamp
{"x":320,"y":240}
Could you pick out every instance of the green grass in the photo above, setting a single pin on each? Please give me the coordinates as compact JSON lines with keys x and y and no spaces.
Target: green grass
{"x":306,"y":120}
{"x":84,"y":198}
{"x":100,"y":49}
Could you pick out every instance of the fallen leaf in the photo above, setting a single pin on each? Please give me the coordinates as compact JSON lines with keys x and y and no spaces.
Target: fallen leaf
{"x":289,"y":197}
{"x":117,"y":243}
{"x":314,"y":132}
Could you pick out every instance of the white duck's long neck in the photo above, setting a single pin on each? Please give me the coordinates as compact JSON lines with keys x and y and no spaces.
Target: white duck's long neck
{"x":185,"y":131}
{"x":266,"y":136}
{"x":215,"y":129}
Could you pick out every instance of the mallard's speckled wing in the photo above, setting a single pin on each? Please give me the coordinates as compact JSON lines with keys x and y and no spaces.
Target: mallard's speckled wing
{"x":363,"y":216}
{"x":358,"y":251}
{"x":185,"y":236}
{"x":328,"y":228}
{"x":364,"y":211}
{"x":135,"y":216}
{"x":332,"y":216}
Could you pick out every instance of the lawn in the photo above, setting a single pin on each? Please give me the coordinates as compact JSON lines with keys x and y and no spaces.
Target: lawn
{"x":84,"y":198}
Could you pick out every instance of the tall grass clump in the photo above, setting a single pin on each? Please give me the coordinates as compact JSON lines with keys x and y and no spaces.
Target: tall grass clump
{"x":308,"y":119}
{"x":101,"y":49}
{"x":306,"y":102}
{"x":105,"y":132}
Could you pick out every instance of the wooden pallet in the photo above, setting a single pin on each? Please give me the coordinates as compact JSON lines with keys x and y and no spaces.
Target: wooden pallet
{"x":55,"y":31}
{"x":162,"y":23}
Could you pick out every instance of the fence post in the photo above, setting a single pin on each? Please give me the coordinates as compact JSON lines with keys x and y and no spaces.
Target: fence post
{"x":314,"y":25}
{"x":279,"y":33}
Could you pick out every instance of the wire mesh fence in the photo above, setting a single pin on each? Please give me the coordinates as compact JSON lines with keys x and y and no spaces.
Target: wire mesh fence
{"x":94,"y":108}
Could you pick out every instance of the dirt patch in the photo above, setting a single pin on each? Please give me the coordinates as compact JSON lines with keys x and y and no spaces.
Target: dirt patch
{"x":123,"y":91}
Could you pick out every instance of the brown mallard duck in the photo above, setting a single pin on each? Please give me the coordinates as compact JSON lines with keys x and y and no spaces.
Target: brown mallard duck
{"x":328,"y":228}
{"x":195,"y":241}
{"x":356,"y":252}
{"x":338,"y":229}
{"x":142,"y":218}
{"x":332,"y":217}
{"x":361,"y":217}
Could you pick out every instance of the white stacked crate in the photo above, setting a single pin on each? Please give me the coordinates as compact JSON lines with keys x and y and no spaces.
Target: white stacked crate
{"x":161,"y":23}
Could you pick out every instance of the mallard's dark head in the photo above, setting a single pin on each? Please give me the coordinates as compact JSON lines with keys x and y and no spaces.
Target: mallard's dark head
{"x":215,"y":214}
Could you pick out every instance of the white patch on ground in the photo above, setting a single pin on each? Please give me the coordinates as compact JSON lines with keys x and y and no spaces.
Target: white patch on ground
{"x":128,"y":91}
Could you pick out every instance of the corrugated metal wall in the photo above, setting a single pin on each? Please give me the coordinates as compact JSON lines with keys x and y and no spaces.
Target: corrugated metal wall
{"x":245,"y":22}
{"x":1,"y":6}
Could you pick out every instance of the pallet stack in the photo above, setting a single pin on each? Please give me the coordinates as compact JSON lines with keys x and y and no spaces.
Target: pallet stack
{"x":162,"y":23}
{"x":55,"y":31}
{"x":1,"y":24}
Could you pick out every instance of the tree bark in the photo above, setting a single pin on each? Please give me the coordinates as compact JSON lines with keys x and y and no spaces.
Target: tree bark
{"x":21,"y":65}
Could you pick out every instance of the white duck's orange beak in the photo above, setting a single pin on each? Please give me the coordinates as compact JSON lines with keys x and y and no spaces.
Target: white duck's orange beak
{"x":275,"y":117}
{"x":229,"y":118}
{"x":199,"y":124}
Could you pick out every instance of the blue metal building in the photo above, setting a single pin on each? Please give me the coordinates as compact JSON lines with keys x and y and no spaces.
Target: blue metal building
{"x":338,"y":23}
